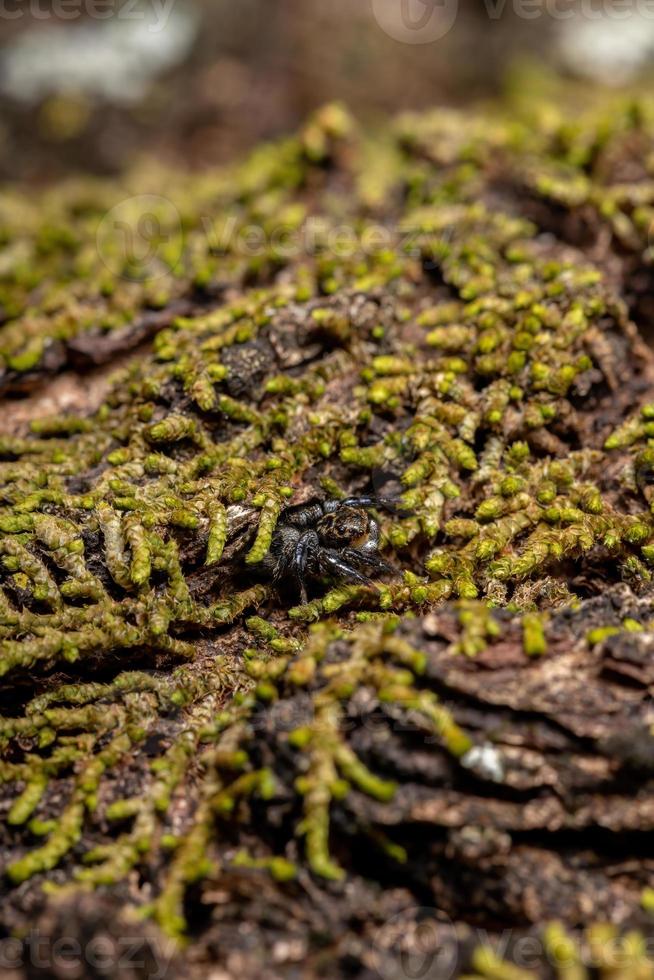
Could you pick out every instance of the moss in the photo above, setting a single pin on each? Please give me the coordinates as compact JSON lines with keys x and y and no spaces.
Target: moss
{"x":488,"y":374}
{"x":534,"y":641}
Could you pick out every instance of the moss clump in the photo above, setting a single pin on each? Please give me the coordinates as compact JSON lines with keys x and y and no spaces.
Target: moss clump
{"x":179,"y":714}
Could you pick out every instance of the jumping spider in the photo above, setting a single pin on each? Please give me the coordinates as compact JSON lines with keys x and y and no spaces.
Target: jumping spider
{"x":336,"y":538}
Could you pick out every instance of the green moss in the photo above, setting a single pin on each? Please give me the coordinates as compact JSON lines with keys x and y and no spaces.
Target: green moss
{"x":144,"y":530}
{"x":534,"y":641}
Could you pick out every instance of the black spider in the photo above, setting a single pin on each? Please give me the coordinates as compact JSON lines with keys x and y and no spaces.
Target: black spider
{"x":336,"y":538}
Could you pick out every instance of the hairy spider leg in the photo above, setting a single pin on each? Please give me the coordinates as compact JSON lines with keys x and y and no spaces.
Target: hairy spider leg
{"x":388,"y":503}
{"x":306,"y":516}
{"x":355,"y":502}
{"x":305,"y":543}
{"x":330,"y":506}
{"x":359,"y":556}
{"x":334,"y":563}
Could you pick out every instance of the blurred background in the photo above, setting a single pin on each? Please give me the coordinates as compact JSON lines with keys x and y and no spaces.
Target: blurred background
{"x":92,"y":85}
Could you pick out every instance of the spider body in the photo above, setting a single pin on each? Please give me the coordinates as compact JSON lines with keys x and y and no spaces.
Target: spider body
{"x":336,"y":538}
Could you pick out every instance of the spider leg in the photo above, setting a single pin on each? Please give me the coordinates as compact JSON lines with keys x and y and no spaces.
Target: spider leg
{"x":306,"y":543}
{"x":390,"y":504}
{"x":333,"y":563}
{"x":357,"y":556}
{"x":304,"y":517}
{"x":393,"y":505}
{"x":358,"y":502}
{"x":329,"y":506}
